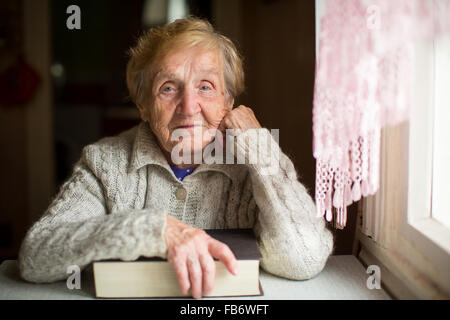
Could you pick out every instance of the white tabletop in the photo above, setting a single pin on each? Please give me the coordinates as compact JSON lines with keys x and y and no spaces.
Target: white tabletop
{"x":344,"y":277}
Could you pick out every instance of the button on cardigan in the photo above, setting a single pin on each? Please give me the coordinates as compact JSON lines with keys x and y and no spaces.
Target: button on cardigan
{"x":114,"y":206}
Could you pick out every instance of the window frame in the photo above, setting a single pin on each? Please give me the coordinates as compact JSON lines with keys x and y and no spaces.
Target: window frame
{"x":429,"y":235}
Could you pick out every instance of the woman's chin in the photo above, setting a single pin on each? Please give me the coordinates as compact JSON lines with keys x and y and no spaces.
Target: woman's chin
{"x":188,"y":153}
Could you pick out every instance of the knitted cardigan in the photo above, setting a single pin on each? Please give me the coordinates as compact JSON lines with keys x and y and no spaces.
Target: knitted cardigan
{"x":114,"y":206}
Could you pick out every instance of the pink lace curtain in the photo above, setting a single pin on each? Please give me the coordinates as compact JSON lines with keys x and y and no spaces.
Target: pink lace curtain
{"x":363,"y":81}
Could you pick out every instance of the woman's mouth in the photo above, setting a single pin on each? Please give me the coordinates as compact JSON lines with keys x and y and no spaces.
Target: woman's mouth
{"x":188,"y":126}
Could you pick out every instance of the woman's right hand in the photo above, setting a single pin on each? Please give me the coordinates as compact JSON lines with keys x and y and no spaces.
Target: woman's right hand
{"x":191,"y":252}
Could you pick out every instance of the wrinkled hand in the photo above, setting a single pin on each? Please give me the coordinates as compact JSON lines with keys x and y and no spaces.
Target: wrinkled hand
{"x":191,"y":252}
{"x":242,"y":118}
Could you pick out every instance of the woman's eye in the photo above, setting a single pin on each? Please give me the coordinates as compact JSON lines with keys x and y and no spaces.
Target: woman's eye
{"x":206,"y":86}
{"x":168,"y":89}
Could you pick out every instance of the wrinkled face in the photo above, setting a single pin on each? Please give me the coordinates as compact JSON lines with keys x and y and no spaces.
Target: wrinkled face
{"x":188,"y":97}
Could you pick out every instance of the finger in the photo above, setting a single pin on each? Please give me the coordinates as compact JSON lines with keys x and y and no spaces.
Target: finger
{"x":222,"y":126}
{"x":225,"y":119}
{"x":228,"y":121}
{"x":223,"y":130}
{"x":209,"y":272}
{"x":221,"y":251}
{"x":220,"y":138}
{"x":195,"y":276}
{"x":182,"y":274}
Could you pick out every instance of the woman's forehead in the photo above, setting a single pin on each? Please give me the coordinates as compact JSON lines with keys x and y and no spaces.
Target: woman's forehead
{"x":201,"y":60}
{"x":162,"y":74}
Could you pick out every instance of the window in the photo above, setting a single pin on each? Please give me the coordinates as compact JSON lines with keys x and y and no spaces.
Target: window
{"x":406,"y":224}
{"x":429,"y":157}
{"x":441,"y":135}
{"x":405,"y":227}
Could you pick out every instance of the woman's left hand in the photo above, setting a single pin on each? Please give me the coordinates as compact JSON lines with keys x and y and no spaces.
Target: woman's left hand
{"x":241,"y":117}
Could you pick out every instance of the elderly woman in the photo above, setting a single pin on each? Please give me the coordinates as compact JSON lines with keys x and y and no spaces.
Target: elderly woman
{"x":130,"y":196}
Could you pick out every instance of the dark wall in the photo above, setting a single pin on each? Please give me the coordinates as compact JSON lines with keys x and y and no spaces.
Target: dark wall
{"x":278,"y":43}
{"x":13,"y":132}
{"x":278,"y":46}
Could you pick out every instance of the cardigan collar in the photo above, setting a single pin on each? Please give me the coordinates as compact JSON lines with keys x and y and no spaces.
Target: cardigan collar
{"x":146,"y":151}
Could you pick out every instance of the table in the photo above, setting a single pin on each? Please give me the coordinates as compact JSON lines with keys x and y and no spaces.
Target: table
{"x":343,"y":277}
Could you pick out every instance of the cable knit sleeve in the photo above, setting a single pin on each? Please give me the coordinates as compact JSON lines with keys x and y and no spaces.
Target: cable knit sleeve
{"x":77,"y":229}
{"x":294,"y":242}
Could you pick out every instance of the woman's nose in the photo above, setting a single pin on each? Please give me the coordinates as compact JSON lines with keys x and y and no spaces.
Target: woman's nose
{"x":189,"y":104}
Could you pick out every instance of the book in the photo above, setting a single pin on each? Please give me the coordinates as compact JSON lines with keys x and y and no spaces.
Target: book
{"x":155,"y":277}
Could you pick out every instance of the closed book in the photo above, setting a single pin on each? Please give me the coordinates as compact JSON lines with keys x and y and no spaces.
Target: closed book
{"x":156,"y":277}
